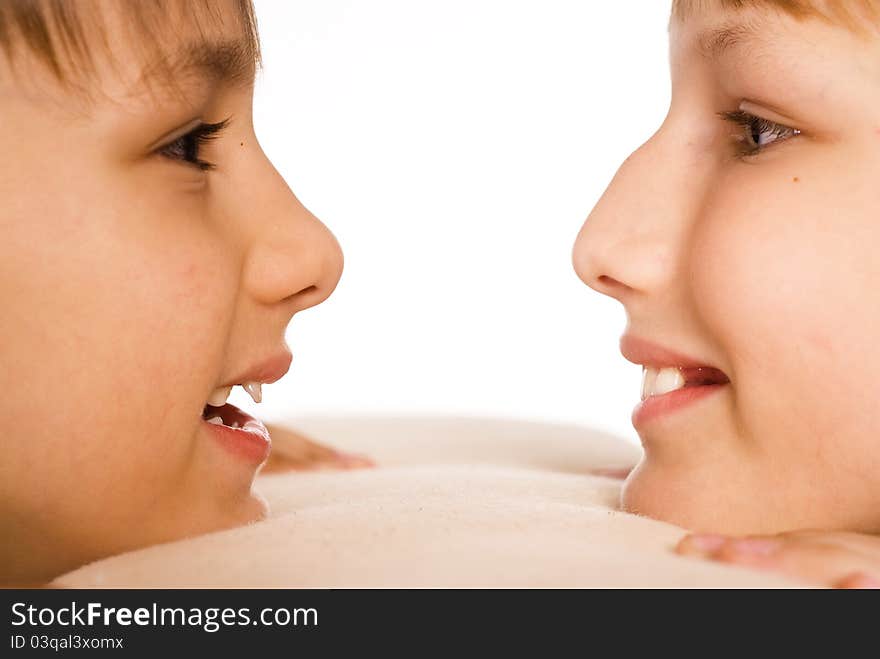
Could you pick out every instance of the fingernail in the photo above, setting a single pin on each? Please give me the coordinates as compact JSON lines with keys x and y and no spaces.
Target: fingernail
{"x":706,"y":542}
{"x":755,"y":546}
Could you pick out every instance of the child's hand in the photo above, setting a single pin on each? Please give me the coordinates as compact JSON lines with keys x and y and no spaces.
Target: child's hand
{"x":294,"y":451}
{"x":835,"y":560}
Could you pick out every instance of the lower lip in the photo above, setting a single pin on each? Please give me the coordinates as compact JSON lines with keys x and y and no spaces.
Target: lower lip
{"x":655,"y":407}
{"x":250,"y":442}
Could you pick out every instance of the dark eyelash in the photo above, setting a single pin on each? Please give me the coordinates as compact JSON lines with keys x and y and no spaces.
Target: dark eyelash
{"x":751,"y":122}
{"x":186,"y":147}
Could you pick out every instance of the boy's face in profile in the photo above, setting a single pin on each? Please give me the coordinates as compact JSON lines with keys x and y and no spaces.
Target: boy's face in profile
{"x":136,"y":280}
{"x":743,"y":235}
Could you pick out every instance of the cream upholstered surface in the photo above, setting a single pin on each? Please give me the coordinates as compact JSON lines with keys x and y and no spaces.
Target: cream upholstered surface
{"x":454,"y":502}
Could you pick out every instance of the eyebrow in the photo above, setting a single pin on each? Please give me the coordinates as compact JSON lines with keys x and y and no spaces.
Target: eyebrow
{"x":229,"y":61}
{"x":716,"y":42}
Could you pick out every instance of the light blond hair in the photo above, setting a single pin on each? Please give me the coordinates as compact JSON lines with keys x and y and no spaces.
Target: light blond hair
{"x":853,"y":14}
{"x":64,"y":34}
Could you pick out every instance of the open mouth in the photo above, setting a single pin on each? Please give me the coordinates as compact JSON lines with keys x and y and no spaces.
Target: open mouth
{"x":662,"y":381}
{"x":238,"y":431}
{"x":669,"y":389}
{"x":671,"y":380}
{"x":225,"y":415}
{"x":219,"y":413}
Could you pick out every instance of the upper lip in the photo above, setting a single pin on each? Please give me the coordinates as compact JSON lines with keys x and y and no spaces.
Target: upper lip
{"x":267,"y":371}
{"x":645,"y":353}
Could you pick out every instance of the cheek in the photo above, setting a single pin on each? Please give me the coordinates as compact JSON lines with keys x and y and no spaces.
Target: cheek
{"x":119,"y":327}
{"x":173,"y":296}
{"x":788,"y":287}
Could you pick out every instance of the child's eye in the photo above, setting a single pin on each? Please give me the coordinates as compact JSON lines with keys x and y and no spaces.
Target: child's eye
{"x":757,"y":133}
{"x":186,"y":148}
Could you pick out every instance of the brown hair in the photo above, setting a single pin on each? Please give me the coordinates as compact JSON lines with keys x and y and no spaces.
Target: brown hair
{"x":63,"y":34}
{"x":850,"y":13}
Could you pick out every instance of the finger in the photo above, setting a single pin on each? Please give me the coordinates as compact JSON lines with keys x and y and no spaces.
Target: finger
{"x":336,"y":459}
{"x":356,"y":461}
{"x":310,"y":455}
{"x":700,"y":545}
{"x":814,"y":562}
{"x":856,"y":542}
{"x":859,"y":581}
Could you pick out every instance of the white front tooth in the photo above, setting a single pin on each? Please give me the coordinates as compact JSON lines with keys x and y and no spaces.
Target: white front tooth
{"x":649,"y":377}
{"x":217,"y":421}
{"x":219,"y":396}
{"x":668,"y":379}
{"x":255,"y":389}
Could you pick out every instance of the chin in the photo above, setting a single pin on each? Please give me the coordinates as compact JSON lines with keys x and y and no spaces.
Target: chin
{"x":259,"y":508}
{"x":685,"y":500}
{"x":220,"y":515}
{"x":254,"y":508}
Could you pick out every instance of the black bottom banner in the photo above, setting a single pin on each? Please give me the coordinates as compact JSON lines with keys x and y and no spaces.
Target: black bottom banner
{"x":143,"y":622}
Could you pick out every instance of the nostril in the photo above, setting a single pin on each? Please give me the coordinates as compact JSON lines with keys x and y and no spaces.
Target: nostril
{"x":609,"y":283}
{"x":304,"y":294}
{"x":610,"y":286}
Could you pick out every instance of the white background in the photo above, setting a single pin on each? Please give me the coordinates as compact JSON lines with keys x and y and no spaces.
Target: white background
{"x":455,"y":147}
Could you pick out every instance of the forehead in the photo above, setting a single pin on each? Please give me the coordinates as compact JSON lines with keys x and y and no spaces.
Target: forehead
{"x":89,"y":47}
{"x":718,"y":27}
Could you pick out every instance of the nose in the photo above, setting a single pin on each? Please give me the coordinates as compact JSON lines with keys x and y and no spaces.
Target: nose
{"x":293,"y":258}
{"x":630,"y":244}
